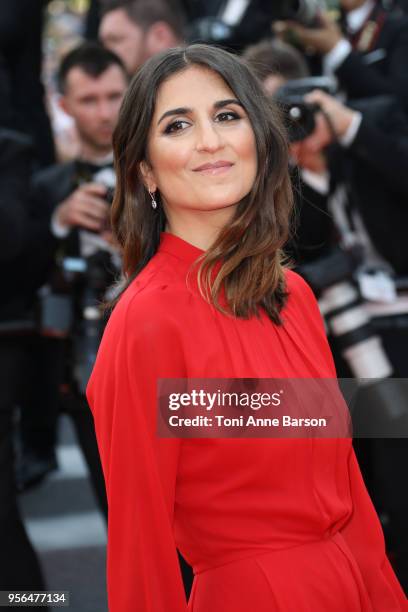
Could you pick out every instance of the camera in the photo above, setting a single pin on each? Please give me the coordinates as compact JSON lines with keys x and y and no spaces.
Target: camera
{"x":98,"y":275}
{"x":305,"y":12}
{"x":298,"y":115}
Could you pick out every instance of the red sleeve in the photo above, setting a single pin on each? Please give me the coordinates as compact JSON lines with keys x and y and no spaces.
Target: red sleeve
{"x":364,"y":537}
{"x":140,"y":469}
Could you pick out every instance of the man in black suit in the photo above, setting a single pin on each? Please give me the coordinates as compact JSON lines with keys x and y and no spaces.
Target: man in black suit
{"x":20,"y":231}
{"x":93,"y":82}
{"x":21,"y":28}
{"x":364,"y":175}
{"x":368,"y":56}
{"x":371,"y":161}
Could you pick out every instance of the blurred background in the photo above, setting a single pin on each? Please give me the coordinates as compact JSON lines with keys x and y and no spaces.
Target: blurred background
{"x":337,"y":70}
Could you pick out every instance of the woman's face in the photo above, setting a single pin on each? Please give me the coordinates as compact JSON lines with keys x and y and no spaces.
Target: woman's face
{"x":201,"y":146}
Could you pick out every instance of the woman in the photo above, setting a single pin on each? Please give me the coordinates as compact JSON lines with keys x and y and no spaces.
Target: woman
{"x":268,"y":525}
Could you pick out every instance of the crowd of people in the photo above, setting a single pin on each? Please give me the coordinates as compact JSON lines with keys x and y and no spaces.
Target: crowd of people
{"x":341,"y":83}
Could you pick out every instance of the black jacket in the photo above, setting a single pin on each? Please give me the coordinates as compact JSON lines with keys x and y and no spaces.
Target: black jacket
{"x":375,"y":171}
{"x":49,"y":187}
{"x":21,"y":28}
{"x":375,"y":167}
{"x":383,"y":68}
{"x":312,"y":233}
{"x":24,"y":233}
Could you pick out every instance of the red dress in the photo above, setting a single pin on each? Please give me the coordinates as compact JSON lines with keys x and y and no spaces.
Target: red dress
{"x":270,"y":525}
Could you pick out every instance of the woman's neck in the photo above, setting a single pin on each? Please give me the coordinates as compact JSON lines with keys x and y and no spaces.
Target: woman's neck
{"x":199,"y":228}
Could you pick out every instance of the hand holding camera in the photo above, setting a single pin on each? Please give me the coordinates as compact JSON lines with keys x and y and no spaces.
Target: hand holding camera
{"x":340,"y":116}
{"x":321,"y":38}
{"x":86,"y":207}
{"x":332,"y":121}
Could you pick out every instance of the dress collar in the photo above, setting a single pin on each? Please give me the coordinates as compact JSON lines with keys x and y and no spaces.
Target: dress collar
{"x":169,"y":243}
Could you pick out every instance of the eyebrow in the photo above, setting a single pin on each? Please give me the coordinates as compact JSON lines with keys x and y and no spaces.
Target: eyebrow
{"x":183,"y":110}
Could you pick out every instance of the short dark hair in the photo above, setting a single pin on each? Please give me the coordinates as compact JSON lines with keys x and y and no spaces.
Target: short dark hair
{"x":92,"y":58}
{"x":147,"y":12}
{"x":276,"y":57}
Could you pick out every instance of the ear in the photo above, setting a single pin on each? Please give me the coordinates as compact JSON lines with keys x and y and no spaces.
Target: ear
{"x":63,"y":104}
{"x":147,"y":176}
{"x":159,"y":37}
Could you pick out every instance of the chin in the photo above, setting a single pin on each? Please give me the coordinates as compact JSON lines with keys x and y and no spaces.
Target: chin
{"x":223,"y":199}
{"x":105,"y":144}
{"x":217,"y":203}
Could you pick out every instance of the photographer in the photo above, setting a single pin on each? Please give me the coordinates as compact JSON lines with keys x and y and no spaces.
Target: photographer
{"x":367,"y":189}
{"x":353,"y":190}
{"x":92,"y":82}
{"x":20,"y":229}
{"x":364,"y":146}
{"x":368,"y":56}
{"x":371,"y":158}
{"x":275,"y":63}
{"x":21,"y":30}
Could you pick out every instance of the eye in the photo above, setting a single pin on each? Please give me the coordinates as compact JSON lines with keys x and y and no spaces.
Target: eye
{"x":88,"y":101}
{"x":176,"y":126}
{"x":227,"y":116}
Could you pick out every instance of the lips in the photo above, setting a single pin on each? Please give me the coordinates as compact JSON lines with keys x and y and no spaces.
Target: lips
{"x":214,"y":168}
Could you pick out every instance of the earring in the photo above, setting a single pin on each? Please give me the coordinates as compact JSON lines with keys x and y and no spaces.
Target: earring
{"x":154,"y":203}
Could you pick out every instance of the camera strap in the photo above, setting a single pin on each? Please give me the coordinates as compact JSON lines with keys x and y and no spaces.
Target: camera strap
{"x":365,"y":39}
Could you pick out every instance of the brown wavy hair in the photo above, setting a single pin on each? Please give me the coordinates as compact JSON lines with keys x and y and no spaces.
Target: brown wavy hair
{"x":249,"y":248}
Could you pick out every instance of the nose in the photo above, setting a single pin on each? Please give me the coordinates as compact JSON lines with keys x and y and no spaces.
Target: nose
{"x":208,"y":137}
{"x":105,"y":111}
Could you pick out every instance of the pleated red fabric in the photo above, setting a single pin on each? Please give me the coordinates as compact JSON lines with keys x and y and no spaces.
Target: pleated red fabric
{"x":277,"y":525}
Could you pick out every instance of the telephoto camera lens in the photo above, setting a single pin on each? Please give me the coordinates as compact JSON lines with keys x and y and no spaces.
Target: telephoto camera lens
{"x":380,"y":404}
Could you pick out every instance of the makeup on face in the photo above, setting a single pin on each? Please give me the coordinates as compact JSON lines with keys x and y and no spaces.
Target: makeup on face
{"x":202,"y":149}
